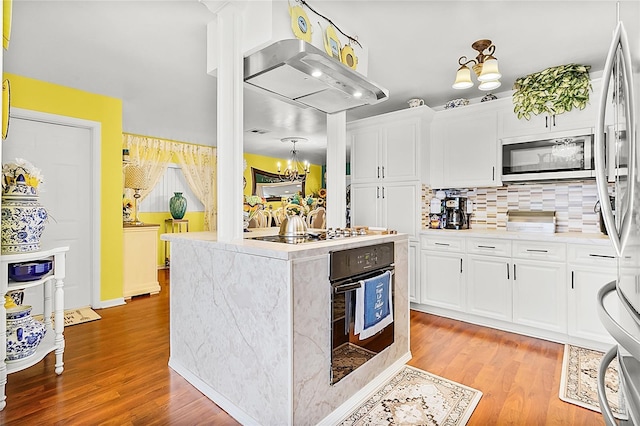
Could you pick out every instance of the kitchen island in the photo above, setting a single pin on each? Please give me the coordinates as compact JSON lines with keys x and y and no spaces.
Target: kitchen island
{"x":250,"y":327}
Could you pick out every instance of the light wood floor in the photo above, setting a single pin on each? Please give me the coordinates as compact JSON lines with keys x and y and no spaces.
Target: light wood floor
{"x":116,"y":373}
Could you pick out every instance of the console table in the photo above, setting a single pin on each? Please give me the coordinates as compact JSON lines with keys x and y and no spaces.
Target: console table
{"x":172,"y":226}
{"x":53,"y":283}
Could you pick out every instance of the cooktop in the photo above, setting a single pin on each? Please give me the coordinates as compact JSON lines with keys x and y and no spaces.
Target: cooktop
{"x":309,"y":237}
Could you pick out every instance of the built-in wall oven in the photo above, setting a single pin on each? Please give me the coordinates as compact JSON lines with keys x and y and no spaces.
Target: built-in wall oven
{"x":352,"y":271}
{"x":560,"y":155}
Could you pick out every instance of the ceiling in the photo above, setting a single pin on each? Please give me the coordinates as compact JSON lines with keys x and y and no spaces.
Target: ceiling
{"x":152,"y":55}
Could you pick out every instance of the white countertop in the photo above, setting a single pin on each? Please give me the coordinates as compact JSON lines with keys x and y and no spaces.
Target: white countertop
{"x":563,"y":237}
{"x":280,"y":250}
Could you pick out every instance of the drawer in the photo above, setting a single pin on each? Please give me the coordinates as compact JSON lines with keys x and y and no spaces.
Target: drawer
{"x":591,"y":254}
{"x":442,"y":243}
{"x":540,"y":250}
{"x":489,"y":247}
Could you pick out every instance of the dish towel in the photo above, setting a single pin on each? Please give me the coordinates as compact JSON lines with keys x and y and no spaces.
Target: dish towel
{"x":374,"y":310}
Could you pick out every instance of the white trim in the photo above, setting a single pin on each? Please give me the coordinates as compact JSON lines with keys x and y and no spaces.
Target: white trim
{"x":110,"y":303}
{"x":340,"y":413}
{"x":95,"y":129}
{"x":221,"y":401}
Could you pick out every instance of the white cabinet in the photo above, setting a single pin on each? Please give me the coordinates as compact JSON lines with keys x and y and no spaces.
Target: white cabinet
{"x":53,"y":283}
{"x":391,"y":205}
{"x":387,"y":148}
{"x":464,"y":148}
{"x":539,"y":291}
{"x":414,"y":271}
{"x":590,"y":268}
{"x":442,"y":281}
{"x":385,"y":169}
{"x":510,"y":126}
{"x":140,"y":250}
{"x":489,"y":285}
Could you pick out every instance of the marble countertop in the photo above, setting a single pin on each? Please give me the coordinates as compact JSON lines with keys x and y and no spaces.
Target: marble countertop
{"x":563,"y":237}
{"x":280,"y":250}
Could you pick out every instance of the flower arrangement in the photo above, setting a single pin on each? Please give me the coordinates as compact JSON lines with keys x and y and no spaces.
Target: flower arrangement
{"x":297,"y":206}
{"x":21,"y":172}
{"x":253,"y":204}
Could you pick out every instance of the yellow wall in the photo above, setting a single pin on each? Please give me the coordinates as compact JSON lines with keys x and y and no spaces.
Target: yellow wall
{"x":196,"y":224}
{"x":36,"y":95}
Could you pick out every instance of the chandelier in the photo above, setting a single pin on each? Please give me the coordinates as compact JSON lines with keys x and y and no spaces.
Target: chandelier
{"x":485,"y":66}
{"x":295,"y":171}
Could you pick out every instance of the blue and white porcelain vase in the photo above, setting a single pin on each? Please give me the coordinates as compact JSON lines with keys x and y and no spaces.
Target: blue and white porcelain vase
{"x":23,"y":219}
{"x":24,"y":333}
{"x":177,"y":205}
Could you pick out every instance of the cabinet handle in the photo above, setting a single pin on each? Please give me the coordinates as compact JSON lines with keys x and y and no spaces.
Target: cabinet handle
{"x":602,"y":255}
{"x":554,"y":120}
{"x":441,"y":244}
{"x":514,"y":271}
{"x":489,"y":247}
{"x":546,"y":122}
{"x":382,"y":172}
{"x":378,"y":172}
{"x":460,"y":265}
{"x":507,"y":270}
{"x":383,"y":188}
{"x":537,"y":251}
{"x":377,"y":192}
{"x":572,"y":275}
{"x":493,"y":173}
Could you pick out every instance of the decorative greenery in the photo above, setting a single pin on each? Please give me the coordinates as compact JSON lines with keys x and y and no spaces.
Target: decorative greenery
{"x":553,"y":91}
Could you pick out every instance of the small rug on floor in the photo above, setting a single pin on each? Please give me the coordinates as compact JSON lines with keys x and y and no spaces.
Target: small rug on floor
{"x":415,"y":397}
{"x":76,"y":316}
{"x":579,"y":380}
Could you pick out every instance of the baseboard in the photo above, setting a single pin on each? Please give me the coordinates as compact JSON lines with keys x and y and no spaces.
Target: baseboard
{"x":232,"y":409}
{"x":340,"y":413}
{"x":110,"y":303}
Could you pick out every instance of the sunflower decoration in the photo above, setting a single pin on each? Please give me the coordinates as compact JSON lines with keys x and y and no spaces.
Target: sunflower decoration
{"x":322,"y":193}
{"x":252,"y":204}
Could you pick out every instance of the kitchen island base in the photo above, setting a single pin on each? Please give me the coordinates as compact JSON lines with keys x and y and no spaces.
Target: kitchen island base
{"x":250,"y":328}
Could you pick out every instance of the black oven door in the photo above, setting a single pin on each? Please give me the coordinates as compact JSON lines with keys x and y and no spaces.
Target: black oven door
{"x":348,"y":351}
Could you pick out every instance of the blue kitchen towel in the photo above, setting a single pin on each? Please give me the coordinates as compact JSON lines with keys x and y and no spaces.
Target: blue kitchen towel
{"x":374,"y":310}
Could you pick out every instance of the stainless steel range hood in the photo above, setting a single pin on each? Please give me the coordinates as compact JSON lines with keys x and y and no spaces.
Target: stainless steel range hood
{"x":285,"y":68}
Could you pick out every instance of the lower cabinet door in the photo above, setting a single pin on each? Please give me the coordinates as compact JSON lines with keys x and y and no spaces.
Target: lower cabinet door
{"x":583,"y":311}
{"x":443,"y":280}
{"x":489,"y":289}
{"x":539,"y":294}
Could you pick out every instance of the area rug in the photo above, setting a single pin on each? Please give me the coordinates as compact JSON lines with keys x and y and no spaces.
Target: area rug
{"x":415,"y":397}
{"x":76,"y":316}
{"x":579,"y":380}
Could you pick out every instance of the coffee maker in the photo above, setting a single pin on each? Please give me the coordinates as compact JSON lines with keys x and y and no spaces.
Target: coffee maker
{"x":456,"y":213}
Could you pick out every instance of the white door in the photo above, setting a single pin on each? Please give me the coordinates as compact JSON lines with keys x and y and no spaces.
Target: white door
{"x":365,"y":205}
{"x":63,"y":154}
{"x":489,"y":287}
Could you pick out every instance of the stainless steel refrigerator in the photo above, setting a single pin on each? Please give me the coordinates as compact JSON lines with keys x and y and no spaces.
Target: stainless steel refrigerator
{"x":616,"y":129}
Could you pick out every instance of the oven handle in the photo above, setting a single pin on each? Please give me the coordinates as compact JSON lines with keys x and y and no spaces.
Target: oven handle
{"x":353,"y":283}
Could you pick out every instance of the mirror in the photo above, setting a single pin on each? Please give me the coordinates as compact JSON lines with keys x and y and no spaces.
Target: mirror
{"x":269,"y":186}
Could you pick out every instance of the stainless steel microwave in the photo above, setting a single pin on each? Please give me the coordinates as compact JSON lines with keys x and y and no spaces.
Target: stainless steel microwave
{"x":548,"y":157}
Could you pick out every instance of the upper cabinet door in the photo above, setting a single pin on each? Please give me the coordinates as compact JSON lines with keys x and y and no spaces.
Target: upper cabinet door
{"x":401,"y":151}
{"x":365,"y":154}
{"x":470,"y":148}
{"x":387,"y":148}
